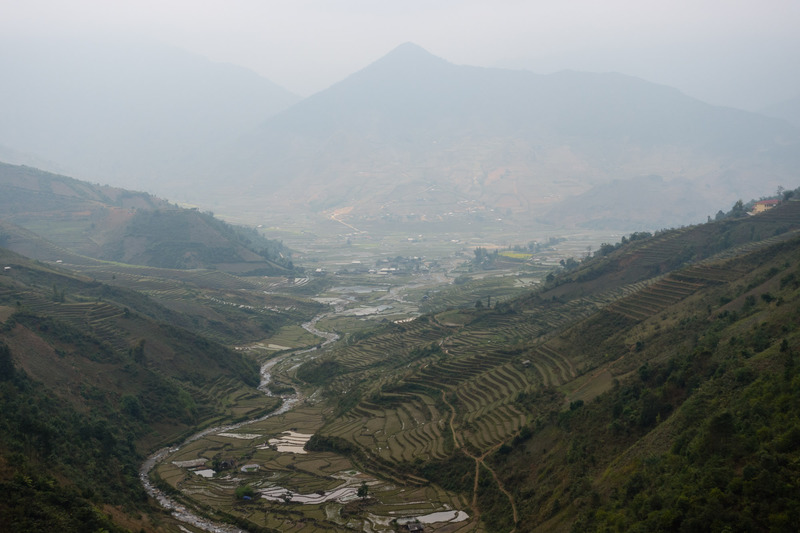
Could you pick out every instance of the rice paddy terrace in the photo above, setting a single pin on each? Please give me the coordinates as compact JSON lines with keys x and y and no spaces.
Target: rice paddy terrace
{"x":411,"y":407}
{"x":440,"y":366}
{"x":411,"y":393}
{"x":481,"y":360}
{"x":415,"y":406}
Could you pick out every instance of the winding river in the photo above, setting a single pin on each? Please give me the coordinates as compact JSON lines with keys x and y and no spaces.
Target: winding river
{"x":182,"y":512}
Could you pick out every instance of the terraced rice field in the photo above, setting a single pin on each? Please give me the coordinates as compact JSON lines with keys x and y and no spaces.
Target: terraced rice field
{"x":153,"y":278}
{"x":412,"y":422}
{"x":96,"y":317}
{"x":456,"y":381}
{"x":298,"y":492}
{"x":287,"y":337}
{"x":401,"y":417}
{"x":495,"y":287}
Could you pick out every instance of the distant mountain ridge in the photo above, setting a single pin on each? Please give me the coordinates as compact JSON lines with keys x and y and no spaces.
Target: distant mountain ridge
{"x":788,"y":110}
{"x":115,"y":224}
{"x":410,"y":134}
{"x":411,"y":122}
{"x":412,"y":88}
{"x":138,"y":114}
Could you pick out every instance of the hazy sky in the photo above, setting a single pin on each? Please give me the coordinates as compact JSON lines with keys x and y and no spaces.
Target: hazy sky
{"x":731,"y":52}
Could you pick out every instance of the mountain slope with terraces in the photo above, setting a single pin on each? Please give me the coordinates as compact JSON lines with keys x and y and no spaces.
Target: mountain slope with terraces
{"x":429,"y":398}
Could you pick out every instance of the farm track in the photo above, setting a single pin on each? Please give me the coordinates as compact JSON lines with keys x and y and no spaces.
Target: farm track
{"x":479,"y":461}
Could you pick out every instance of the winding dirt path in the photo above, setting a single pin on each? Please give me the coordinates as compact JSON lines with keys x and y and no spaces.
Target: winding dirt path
{"x":479,"y":461}
{"x":499,"y":484}
{"x":335,"y":218}
{"x":452,"y":419}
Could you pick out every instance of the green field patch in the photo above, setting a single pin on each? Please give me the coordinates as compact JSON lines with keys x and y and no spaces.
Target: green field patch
{"x":516,"y":255}
{"x":303,"y":419}
{"x":291,"y":337}
{"x":455,"y":317}
{"x":350,"y":324}
{"x":171,"y":474}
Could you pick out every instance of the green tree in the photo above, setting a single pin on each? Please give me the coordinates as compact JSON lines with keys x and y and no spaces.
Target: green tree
{"x":363,"y":490}
{"x":132,"y":406}
{"x":738,"y":209}
{"x":137,"y":351}
{"x":244,"y":490}
{"x":6,"y":364}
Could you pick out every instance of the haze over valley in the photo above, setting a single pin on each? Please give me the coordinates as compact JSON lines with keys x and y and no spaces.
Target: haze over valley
{"x":537,"y":272}
{"x":410,"y":136}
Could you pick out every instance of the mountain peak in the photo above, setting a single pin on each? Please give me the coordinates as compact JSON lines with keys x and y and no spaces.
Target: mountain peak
{"x":408,"y":55}
{"x":409,"y":48}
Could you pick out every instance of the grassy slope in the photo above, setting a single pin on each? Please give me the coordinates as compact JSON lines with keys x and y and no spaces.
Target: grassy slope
{"x":701,"y":436}
{"x":90,"y":384}
{"x":233,"y":310}
{"x":118,"y":225}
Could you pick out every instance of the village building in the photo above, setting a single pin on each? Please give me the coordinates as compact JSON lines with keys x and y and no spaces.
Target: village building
{"x":764,"y":205}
